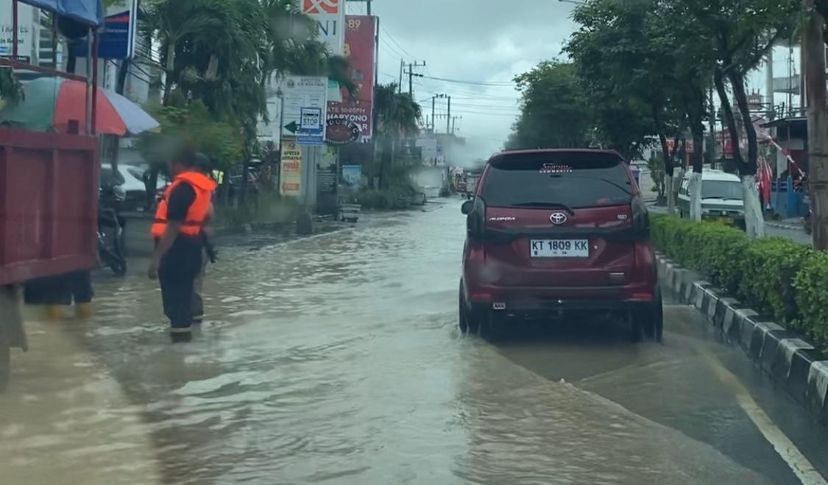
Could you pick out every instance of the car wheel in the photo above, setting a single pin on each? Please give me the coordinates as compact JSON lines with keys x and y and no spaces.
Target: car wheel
{"x":651,"y":318}
{"x":5,"y":356}
{"x":637,"y":326}
{"x":491,"y":327}
{"x":462,"y":314}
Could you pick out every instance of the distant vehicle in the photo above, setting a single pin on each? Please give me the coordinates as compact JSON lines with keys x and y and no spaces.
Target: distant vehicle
{"x":131,"y":179}
{"x":722,"y":198}
{"x":551,"y":232}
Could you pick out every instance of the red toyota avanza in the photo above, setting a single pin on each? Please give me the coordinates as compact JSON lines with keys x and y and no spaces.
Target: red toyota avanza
{"x":558,"y":232}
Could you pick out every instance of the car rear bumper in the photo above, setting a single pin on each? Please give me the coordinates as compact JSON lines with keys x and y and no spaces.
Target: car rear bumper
{"x":557,"y":299}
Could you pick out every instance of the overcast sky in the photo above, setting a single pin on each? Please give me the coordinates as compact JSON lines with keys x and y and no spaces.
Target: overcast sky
{"x":485,"y":41}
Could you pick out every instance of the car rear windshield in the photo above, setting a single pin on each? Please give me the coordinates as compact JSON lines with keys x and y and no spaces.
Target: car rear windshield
{"x":570,"y":181}
{"x":721,"y":189}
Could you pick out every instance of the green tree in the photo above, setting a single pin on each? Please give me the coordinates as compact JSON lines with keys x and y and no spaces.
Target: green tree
{"x":554,"y":111}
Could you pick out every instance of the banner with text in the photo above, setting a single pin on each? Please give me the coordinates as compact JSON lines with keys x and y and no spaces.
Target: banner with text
{"x":351,"y":120}
{"x":330,"y":17}
{"x":290,"y":173}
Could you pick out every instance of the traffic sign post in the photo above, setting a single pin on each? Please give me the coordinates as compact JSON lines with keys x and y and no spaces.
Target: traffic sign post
{"x":305,"y":100}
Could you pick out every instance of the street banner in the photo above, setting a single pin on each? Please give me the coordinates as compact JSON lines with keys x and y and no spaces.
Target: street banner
{"x":26,"y":30}
{"x":117,"y":38}
{"x":290,"y":172}
{"x":330,"y":19}
{"x":352,"y":120}
{"x":305,"y":108}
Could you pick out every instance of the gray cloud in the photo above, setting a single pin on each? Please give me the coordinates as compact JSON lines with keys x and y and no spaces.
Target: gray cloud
{"x":476,"y":40}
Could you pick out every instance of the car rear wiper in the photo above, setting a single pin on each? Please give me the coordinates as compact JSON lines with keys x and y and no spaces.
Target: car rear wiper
{"x":614,"y":184}
{"x":545,"y":205}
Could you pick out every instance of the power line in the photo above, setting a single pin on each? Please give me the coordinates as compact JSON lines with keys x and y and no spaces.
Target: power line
{"x":476,"y":83}
{"x":391,"y":37}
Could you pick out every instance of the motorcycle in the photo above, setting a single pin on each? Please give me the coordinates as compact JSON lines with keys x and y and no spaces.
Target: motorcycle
{"x":111,"y":233}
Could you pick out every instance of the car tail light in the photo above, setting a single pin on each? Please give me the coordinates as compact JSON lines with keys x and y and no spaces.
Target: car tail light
{"x":640,"y":217}
{"x":645,"y":262}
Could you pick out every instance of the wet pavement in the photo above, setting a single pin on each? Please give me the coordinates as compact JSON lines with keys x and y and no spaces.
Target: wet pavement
{"x":337,"y":359}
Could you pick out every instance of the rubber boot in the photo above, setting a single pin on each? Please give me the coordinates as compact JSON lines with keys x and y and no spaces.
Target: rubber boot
{"x":54,"y":312}
{"x":83,"y":311}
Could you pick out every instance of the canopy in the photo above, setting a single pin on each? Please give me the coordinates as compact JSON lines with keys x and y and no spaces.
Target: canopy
{"x":88,"y":12}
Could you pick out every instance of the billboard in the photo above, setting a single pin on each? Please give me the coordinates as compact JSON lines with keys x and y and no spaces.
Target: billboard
{"x":290,"y":169}
{"x":346,"y":117}
{"x":117,"y":39}
{"x":330,"y":19}
{"x":26,"y":30}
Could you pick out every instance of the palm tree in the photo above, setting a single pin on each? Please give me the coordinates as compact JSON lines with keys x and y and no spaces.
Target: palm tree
{"x":395,"y":117}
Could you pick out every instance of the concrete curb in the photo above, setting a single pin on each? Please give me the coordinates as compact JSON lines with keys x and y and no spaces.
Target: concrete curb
{"x":791,"y":361}
{"x":787,"y":227}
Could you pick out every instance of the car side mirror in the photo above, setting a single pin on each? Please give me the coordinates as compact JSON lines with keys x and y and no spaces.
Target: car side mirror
{"x":467,"y":206}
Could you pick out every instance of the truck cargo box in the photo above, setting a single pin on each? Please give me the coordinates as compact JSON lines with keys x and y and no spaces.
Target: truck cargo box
{"x":48,"y":204}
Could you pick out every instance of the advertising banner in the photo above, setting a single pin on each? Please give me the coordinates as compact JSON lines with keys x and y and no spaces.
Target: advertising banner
{"x":351,"y":120}
{"x":290,"y":174}
{"x":330,"y":18}
{"x":26,"y":31}
{"x":117,"y":40}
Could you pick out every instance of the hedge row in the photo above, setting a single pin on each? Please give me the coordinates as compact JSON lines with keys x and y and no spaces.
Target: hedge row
{"x":774,"y":276}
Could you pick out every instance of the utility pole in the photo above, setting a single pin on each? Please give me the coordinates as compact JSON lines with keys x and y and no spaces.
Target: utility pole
{"x":448,"y":116}
{"x":813,"y":52}
{"x":411,"y":75}
{"x":433,"y":99}
{"x":402,"y":68}
{"x":454,"y":123}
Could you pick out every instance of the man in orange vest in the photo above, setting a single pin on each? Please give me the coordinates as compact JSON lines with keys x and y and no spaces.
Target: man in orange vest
{"x":177,"y":259}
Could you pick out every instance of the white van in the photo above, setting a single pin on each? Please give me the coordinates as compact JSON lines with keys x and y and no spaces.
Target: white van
{"x":722,"y":197}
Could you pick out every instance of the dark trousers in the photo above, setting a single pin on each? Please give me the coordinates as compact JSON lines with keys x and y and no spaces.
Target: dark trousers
{"x":198,"y":286}
{"x":60,"y":290}
{"x":177,"y":273}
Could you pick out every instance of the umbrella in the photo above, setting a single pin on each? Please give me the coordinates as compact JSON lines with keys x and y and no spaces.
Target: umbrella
{"x":49,"y":103}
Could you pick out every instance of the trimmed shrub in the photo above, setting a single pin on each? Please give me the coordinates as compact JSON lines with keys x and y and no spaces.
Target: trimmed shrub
{"x":811,"y":295}
{"x":774,"y":276}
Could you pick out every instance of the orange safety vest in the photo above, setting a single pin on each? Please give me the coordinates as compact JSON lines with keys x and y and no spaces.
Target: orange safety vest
{"x":196,"y":214}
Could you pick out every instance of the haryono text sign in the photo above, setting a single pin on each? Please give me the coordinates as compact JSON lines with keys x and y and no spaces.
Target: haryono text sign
{"x":344,"y":117}
{"x":330,"y":17}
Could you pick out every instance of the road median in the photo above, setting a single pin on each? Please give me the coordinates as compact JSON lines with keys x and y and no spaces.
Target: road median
{"x":771,"y":333}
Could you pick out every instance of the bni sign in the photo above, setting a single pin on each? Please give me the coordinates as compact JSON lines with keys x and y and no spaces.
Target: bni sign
{"x":330,"y":19}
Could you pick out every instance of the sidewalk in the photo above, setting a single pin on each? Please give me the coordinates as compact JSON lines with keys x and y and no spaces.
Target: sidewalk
{"x":791,"y":224}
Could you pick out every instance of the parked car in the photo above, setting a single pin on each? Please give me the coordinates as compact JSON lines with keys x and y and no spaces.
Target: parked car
{"x":722,"y":197}
{"x":558,"y":232}
{"x":131,"y":179}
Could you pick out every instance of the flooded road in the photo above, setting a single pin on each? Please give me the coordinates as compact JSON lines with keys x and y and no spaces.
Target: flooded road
{"x":337,"y":359}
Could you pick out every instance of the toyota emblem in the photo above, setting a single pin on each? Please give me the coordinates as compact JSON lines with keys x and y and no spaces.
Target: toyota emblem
{"x":557,"y":218}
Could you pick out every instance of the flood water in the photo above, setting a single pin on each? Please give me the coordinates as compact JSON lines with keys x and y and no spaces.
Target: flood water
{"x":334,"y":359}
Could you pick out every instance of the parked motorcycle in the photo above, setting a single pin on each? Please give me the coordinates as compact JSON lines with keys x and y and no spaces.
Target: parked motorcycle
{"x":111,"y":232}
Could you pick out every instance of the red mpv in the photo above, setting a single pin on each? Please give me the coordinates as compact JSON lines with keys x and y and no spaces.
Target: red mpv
{"x":557,"y":232}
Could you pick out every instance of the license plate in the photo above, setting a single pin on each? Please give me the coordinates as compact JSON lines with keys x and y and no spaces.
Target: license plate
{"x":559,"y":248}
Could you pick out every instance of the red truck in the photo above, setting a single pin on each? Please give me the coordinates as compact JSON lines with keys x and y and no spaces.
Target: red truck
{"x":48,"y":188}
{"x":48,"y":217}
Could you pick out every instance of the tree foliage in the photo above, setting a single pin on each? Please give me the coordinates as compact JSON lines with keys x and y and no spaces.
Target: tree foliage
{"x":191,"y":126}
{"x":553,"y":108}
